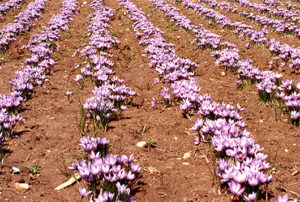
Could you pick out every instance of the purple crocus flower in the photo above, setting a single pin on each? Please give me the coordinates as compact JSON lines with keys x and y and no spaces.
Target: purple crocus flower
{"x":68,"y":93}
{"x":284,"y":198}
{"x":236,"y":188}
{"x":83,"y":192}
{"x":122,"y":189}
{"x":153,"y":102}
{"x":78,"y":78}
{"x":251,"y":197}
{"x":105,"y":197}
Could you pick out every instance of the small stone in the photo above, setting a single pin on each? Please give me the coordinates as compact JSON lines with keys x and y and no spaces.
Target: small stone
{"x":286,"y":150}
{"x":294,"y":144}
{"x":185,"y":163}
{"x":261,"y":121}
{"x":295,"y":172}
{"x":152,"y":170}
{"x":84,"y":3}
{"x":187,"y":155}
{"x":285,"y":120}
{"x":175,"y":138}
{"x":141,"y":144}
{"x":21,"y":186}
{"x":223,"y":73}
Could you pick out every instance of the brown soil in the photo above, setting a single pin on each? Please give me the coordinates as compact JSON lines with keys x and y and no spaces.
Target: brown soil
{"x":13,"y":58}
{"x":49,"y":137}
{"x":9,"y":16}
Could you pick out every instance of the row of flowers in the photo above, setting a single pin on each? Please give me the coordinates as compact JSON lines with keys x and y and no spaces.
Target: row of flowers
{"x":270,"y":85}
{"x":278,"y":4}
{"x":35,"y":67}
{"x":23,"y":22}
{"x":110,"y":95}
{"x":243,"y":168}
{"x":261,"y":8}
{"x":280,"y":26}
{"x":108,"y":177}
{"x":283,"y":53}
{"x":7,"y":6}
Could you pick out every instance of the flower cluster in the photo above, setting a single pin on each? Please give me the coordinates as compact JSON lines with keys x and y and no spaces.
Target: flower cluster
{"x":22,"y":23}
{"x":187,"y":91}
{"x":109,"y":177}
{"x":268,"y":82}
{"x":278,"y":25}
{"x":240,"y":159}
{"x":274,"y":3}
{"x":109,"y":94}
{"x":7,"y":121}
{"x":291,"y":6}
{"x":283,"y":52}
{"x":12,"y":4}
{"x":108,"y":99}
{"x":33,"y":71}
{"x":222,"y":5}
{"x":284,"y":13}
{"x":241,"y":163}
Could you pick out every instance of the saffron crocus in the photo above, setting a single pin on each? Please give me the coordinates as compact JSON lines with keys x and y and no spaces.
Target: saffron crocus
{"x":165,"y":94}
{"x":196,"y":140}
{"x":240,"y":177}
{"x":83,"y":192}
{"x":251,"y":197}
{"x":284,"y":198}
{"x":236,"y":188}
{"x":68,"y":93}
{"x":135,"y":168}
{"x":78,"y":78}
{"x":122,"y":189}
{"x":153,"y":102}
{"x":106,"y":196}
{"x":15,"y":170}
{"x":130,"y":176}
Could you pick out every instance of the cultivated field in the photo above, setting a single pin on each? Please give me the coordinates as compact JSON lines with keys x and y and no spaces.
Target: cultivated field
{"x":149,"y":100}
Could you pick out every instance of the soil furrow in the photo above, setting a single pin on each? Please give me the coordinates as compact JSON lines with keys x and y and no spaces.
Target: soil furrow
{"x":9,"y":17}
{"x":259,"y":118}
{"x":291,"y":40}
{"x":49,"y":135}
{"x":260,"y":55}
{"x":167,"y":126}
{"x":237,"y":4}
{"x":14,"y":58}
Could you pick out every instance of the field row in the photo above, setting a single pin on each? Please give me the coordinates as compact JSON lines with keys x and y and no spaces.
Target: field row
{"x":237,"y":160}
